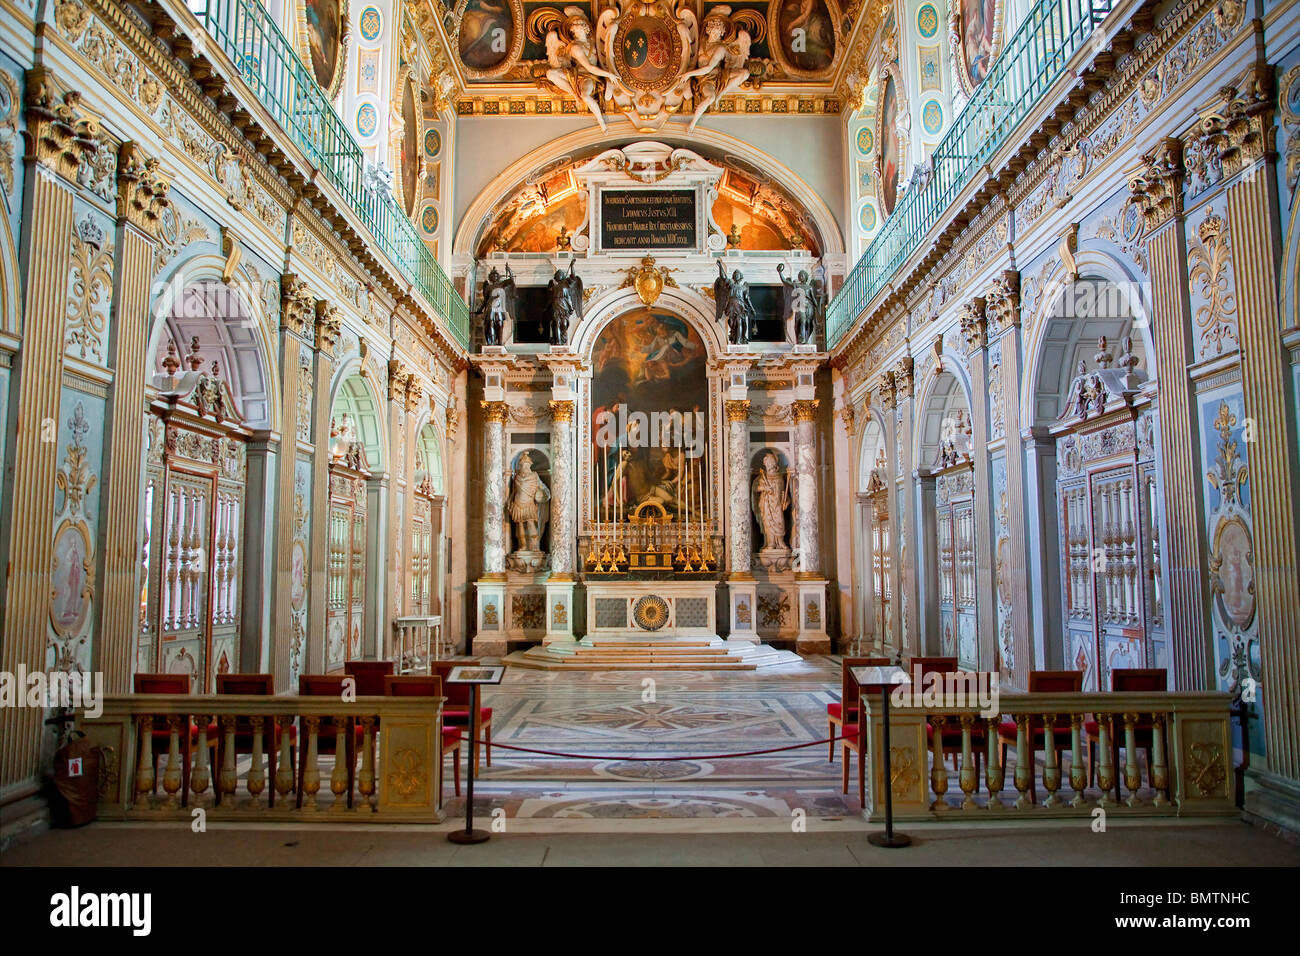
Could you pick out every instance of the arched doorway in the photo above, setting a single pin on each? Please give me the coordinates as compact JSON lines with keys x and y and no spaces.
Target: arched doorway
{"x":352,"y":550}
{"x":211,"y":393}
{"x":947,"y":470}
{"x":1097,"y":475}
{"x":875,"y":542}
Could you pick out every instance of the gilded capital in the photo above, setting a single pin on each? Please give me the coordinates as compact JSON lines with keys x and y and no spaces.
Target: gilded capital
{"x":887,"y":390}
{"x":847,"y":416}
{"x":141,"y":189}
{"x":974,"y":325}
{"x":297,"y":305}
{"x":1002,"y":301}
{"x":805,"y":409}
{"x":398,"y":374}
{"x":561,"y":410}
{"x":495,"y":413}
{"x":903,"y":377}
{"x":1157,"y":187}
{"x":329,"y":325}
{"x":414,"y":393}
{"x":737,"y":410}
{"x":61,"y":134}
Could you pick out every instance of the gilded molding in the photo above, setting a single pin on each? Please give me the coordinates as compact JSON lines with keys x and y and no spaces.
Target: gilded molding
{"x":805,"y":409}
{"x":561,"y":410}
{"x":61,"y":134}
{"x":297,"y":305}
{"x":1157,"y":187}
{"x":141,"y":189}
{"x":495,"y":413}
{"x":737,"y":410}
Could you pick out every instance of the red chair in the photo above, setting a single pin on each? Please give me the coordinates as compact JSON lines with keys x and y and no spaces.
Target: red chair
{"x":1149,"y":679}
{"x":950,"y":739}
{"x":262,"y":685}
{"x":416,"y":685}
{"x":854,"y":739}
{"x":455,"y":712}
{"x":1043,"y":682}
{"x":161,"y":737}
{"x":845,"y":710}
{"x":369,"y":676}
{"x":327,"y":734}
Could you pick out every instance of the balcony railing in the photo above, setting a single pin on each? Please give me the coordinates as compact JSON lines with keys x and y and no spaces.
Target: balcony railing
{"x":1030,"y":63}
{"x":270,"y":66}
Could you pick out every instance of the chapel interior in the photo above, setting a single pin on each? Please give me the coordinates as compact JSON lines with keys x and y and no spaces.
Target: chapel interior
{"x":683,"y":358}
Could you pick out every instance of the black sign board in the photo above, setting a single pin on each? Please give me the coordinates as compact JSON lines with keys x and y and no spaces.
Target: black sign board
{"x":635,"y":219}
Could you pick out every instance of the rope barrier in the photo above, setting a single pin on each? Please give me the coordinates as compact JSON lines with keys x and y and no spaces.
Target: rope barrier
{"x":746,"y":753}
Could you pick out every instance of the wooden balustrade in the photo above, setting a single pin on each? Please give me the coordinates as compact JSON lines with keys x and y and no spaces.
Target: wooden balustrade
{"x":394,"y":775}
{"x":1189,"y":772}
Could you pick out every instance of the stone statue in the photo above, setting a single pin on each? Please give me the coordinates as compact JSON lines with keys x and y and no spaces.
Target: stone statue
{"x":573,"y":62}
{"x":770,"y":497}
{"x":498,"y":299}
{"x":732,"y":304}
{"x":528,"y":510}
{"x":803,"y":304}
{"x":566,"y":303}
{"x":721,"y":64}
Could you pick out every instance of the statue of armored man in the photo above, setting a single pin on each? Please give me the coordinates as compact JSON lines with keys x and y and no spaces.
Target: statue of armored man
{"x":498,"y":299}
{"x":803,"y":304}
{"x":566,"y":303}
{"x":733,"y":306}
{"x":528,"y":508}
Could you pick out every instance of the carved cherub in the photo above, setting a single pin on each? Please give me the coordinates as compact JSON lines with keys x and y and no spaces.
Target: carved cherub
{"x":722,"y":62}
{"x":574,"y":65}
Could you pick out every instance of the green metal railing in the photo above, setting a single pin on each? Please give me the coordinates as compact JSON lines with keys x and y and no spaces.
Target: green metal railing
{"x":1030,"y":63}
{"x":268,"y":63}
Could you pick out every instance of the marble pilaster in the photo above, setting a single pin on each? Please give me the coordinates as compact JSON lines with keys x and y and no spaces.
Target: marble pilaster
{"x":491,"y":587}
{"x":739,"y":546}
{"x":559,"y":587}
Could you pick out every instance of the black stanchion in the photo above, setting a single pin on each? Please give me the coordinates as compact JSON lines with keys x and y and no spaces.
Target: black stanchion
{"x":889,"y":838}
{"x":469,"y":834}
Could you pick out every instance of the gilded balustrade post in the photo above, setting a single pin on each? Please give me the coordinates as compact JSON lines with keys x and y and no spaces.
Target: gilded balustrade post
{"x":311,"y":771}
{"x":229,"y":779}
{"x":284,"y":770}
{"x":995,"y":773}
{"x":1159,"y":769}
{"x":968,"y":778}
{"x":172,"y":772}
{"x":938,"y":772}
{"x":145,"y":770}
{"x":1078,"y":771}
{"x":366,"y":776}
{"x":200,"y":776}
{"x":256,"y":772}
{"x":339,"y":784}
{"x":1132,"y":772}
{"x":1105,"y":768}
{"x":1024,"y":776}
{"x":1051,"y":763}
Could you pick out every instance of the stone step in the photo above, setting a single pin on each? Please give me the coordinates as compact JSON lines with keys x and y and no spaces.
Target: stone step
{"x":641,"y":654}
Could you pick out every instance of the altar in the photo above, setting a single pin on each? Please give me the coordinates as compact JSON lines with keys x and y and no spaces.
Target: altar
{"x":668,"y":608}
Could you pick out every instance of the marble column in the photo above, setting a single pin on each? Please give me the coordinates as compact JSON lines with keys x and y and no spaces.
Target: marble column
{"x":326,"y":328}
{"x":974,"y":331}
{"x":559,"y":587}
{"x":813,"y":638}
{"x":908,"y":593}
{"x":739,"y":546}
{"x":59,"y":137}
{"x":494,"y":546}
{"x":141,"y":199}
{"x":887,"y":400}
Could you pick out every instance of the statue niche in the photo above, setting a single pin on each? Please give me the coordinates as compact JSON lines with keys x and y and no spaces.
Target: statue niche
{"x":770,"y":498}
{"x":528,"y":509}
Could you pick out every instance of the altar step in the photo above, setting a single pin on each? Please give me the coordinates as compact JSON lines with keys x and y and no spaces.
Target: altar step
{"x":639,"y":653}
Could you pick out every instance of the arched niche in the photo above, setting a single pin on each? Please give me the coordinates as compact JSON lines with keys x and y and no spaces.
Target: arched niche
{"x":944,"y":414}
{"x":428,"y":460}
{"x":357,"y":413}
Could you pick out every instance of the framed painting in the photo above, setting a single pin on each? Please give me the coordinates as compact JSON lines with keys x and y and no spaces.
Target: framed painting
{"x":323,"y":41}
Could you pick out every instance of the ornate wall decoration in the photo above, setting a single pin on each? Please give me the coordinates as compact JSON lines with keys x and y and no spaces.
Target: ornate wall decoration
{"x":177,"y":231}
{"x":773,"y":609}
{"x":72,"y":575}
{"x":8,"y":129}
{"x":90,"y":293}
{"x":1289,"y":99}
{"x":1210,"y":278}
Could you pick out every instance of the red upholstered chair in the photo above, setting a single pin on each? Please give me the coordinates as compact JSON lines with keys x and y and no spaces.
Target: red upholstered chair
{"x":369,"y":676}
{"x":161,"y":738}
{"x":845,"y":710}
{"x":253,"y":685}
{"x":417,"y":685}
{"x":455,"y":712}
{"x":951,"y":739}
{"x":1151,"y":679}
{"x":327,"y":734}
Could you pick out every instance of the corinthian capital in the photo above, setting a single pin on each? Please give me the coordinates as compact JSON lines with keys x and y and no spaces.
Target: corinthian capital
{"x":329,"y":325}
{"x":297,"y":305}
{"x":1002,"y":300}
{"x":974,"y":324}
{"x":1157,"y":187}
{"x":61,"y":134}
{"x":141,"y":189}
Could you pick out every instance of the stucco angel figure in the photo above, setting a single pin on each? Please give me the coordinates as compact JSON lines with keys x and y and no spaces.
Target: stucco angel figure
{"x":529,"y":505}
{"x":722,"y":62}
{"x":574,"y":64}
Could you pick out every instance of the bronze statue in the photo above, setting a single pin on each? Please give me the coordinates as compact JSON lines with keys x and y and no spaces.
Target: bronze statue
{"x":566,"y":303}
{"x":803,"y":304}
{"x":498,"y":298}
{"x":732,"y":304}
